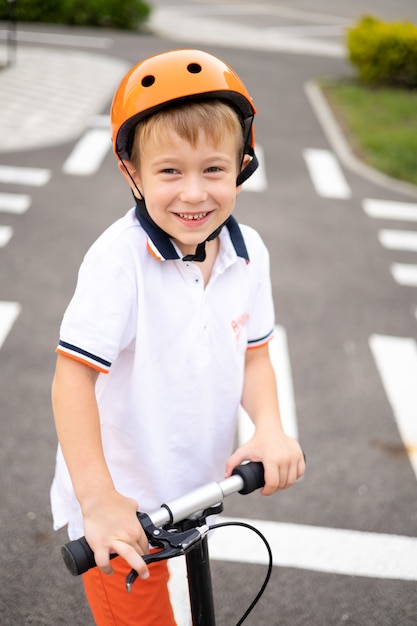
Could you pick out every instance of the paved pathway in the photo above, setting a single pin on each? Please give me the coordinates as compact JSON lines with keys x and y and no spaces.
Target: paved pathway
{"x":49,"y":96}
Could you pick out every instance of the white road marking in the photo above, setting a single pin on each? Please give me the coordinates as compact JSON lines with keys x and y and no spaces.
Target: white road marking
{"x":14,"y":202}
{"x":331,"y":550}
{"x":9,"y":312}
{"x":314,"y":548}
{"x":190,"y":23}
{"x":326,"y":174}
{"x":326,"y":30}
{"x":398,"y":240}
{"x":178,"y":590}
{"x":100,"y":121}
{"x":88,"y":153}
{"x":280,"y":358}
{"x":59,"y":39}
{"x":278,"y":349}
{"x":35,"y":177}
{"x":6,"y":233}
{"x":257,"y":182}
{"x":390,"y":210}
{"x":405,"y":274}
{"x":396,"y":360}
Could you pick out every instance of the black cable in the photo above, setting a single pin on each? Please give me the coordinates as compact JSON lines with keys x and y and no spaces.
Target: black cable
{"x":270,"y":564}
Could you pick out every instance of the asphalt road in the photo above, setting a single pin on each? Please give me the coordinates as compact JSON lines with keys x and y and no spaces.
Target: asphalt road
{"x":333,"y":290}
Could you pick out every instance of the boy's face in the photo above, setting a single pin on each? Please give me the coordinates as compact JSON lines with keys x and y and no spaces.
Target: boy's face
{"x":189,"y":191}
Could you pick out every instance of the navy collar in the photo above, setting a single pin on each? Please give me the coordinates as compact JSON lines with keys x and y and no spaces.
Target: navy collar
{"x":163,"y":245}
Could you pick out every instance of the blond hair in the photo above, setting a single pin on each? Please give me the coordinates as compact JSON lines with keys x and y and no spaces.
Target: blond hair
{"x":214,"y":117}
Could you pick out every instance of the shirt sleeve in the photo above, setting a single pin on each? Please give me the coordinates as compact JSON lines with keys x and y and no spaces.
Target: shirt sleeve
{"x":100,"y":319}
{"x":262,"y":314}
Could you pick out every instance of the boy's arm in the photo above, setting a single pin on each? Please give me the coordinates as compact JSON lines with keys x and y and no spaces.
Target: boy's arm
{"x":281,"y":455}
{"x":110,"y":522}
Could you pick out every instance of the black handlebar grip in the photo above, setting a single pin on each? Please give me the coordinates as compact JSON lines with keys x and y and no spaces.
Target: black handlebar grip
{"x":78,"y":556}
{"x":252,"y":475}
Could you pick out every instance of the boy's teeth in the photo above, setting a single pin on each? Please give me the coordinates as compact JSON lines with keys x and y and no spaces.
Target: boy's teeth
{"x":186,"y":216}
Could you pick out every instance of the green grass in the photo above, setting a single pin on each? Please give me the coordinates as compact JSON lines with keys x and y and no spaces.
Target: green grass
{"x":380,"y":125}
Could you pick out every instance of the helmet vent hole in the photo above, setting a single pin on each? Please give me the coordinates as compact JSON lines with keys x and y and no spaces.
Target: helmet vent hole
{"x":148,"y":81}
{"x":194,"y":68}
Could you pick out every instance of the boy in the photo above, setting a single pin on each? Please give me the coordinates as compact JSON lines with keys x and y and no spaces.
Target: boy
{"x":167,"y":332}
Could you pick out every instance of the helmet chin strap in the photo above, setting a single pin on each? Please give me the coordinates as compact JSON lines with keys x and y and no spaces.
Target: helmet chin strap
{"x":200,"y":253}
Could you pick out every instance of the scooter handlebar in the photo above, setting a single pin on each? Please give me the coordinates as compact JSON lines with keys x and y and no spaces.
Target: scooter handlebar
{"x":246,"y":478}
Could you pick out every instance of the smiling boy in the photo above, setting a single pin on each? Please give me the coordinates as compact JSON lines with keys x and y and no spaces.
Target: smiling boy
{"x":167,"y":332}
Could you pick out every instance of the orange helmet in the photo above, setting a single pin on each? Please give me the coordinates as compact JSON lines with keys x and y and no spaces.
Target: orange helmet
{"x":171,"y":78}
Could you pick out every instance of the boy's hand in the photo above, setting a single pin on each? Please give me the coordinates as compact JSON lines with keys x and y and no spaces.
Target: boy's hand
{"x":281,"y":456}
{"x":111,"y":526}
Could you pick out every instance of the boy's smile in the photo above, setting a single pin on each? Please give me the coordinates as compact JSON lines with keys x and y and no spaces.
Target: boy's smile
{"x":189,"y":190}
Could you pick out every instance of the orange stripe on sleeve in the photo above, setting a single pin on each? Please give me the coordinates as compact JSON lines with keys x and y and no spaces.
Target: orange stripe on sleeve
{"x":76,"y":358}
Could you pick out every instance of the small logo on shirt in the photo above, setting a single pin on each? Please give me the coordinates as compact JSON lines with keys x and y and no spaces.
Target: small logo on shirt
{"x":238,"y":324}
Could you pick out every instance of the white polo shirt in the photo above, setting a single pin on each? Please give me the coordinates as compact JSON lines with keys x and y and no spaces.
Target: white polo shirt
{"x":172,"y":356}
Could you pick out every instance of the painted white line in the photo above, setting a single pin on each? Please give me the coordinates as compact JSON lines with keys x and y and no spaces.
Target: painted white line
{"x":262,"y":9}
{"x":280,"y":358}
{"x":8,"y":314}
{"x":330,"y":30}
{"x":396,"y":360}
{"x":398,"y":240}
{"x":405,"y":274}
{"x":24,"y":175}
{"x":257,"y":182}
{"x":326,"y":174}
{"x":88,"y":153}
{"x":60,"y":40}
{"x":390,"y":210}
{"x":278,"y":348}
{"x":14,"y":202}
{"x":216,"y":30}
{"x":6,"y":233}
{"x":331,"y":550}
{"x":178,"y":590}
{"x":101,"y":121}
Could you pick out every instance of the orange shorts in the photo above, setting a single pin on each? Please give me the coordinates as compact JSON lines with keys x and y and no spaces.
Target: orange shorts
{"x":147,"y":604}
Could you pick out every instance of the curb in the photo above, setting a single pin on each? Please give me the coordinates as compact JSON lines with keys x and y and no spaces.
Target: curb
{"x":341,"y":147}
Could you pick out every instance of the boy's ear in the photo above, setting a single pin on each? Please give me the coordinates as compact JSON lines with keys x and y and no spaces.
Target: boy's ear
{"x":130,"y":173}
{"x":245,"y":162}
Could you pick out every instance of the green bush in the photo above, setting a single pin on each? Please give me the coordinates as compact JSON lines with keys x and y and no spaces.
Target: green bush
{"x":123,"y":14}
{"x":384,"y":53}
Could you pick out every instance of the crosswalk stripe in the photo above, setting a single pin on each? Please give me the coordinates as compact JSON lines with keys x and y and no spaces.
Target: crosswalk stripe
{"x":333,"y":550}
{"x":390,"y":210}
{"x":101,"y":121}
{"x":398,"y":240}
{"x":33,"y":176}
{"x":88,"y":153}
{"x":405,"y":274}
{"x":9,"y":311}
{"x":59,"y":39}
{"x":14,"y":202}
{"x":396,"y":360}
{"x":6,"y":233}
{"x":326,"y":174}
{"x":211,"y":31}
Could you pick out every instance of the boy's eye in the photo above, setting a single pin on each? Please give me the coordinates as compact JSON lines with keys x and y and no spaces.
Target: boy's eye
{"x":169,"y":170}
{"x":213,"y":168}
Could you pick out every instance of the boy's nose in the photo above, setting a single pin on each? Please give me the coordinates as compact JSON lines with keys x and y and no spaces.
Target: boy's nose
{"x":193,"y":190}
